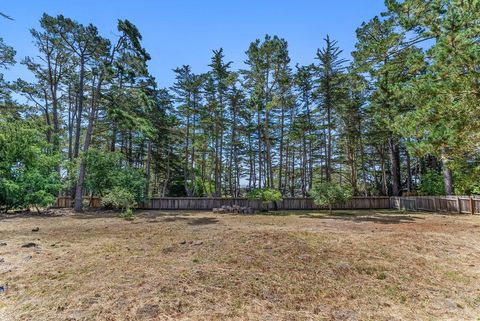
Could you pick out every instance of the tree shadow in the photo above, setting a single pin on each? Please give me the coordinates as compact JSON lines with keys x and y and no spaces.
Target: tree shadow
{"x":373,"y":218}
{"x":203,"y":221}
{"x":273,"y":213}
{"x":150,"y":216}
{"x":26,"y":214}
{"x":95,"y":214}
{"x":168,"y":216}
{"x":174,"y":219}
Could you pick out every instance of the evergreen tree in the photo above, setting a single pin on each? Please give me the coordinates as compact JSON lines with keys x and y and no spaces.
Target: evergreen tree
{"x":330,"y":94}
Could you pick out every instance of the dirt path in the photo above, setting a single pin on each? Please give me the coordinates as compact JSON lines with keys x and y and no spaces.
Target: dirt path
{"x":199,"y":266}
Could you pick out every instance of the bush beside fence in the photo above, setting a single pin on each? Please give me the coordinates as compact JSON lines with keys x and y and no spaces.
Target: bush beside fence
{"x":204,"y":203}
{"x":67,"y":201}
{"x":448,"y":204}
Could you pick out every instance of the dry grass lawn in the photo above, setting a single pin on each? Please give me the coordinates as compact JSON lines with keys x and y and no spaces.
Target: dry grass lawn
{"x":198,"y":266}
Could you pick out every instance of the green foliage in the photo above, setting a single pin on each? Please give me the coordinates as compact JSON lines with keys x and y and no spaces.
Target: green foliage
{"x":432,"y":184}
{"x":328,"y":194}
{"x":467,"y":177}
{"x":120,"y":185}
{"x":127,"y":214}
{"x":40,"y":187}
{"x":202,"y":188}
{"x":444,"y":120}
{"x":7,"y":58}
{"x":413,"y":83}
{"x":109,"y":170}
{"x":476,"y":189}
{"x":133,"y":179}
{"x":101,"y":171}
{"x":265,"y":195}
{"x":7,"y":55}
{"x":120,"y":198}
{"x":28,"y":168}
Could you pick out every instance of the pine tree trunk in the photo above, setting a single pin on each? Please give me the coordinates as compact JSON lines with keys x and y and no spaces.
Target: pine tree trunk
{"x":81,"y":86}
{"x":148,"y":167}
{"x":86,"y":146}
{"x":447,"y":174}
{"x":384,"y":171}
{"x":260,"y":161}
{"x":329,"y":144}
{"x":409,"y":171}
{"x":394,"y":153}
{"x":448,"y":181}
{"x":280,"y":161}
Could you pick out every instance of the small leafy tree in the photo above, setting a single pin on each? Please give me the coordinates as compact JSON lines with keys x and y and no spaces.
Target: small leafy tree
{"x":120,"y":185}
{"x":265,"y":195}
{"x":108,"y":170}
{"x":329,"y":193}
{"x":102,"y":171}
{"x":40,"y":187}
{"x":122,"y":199}
{"x":28,"y":167}
{"x":432,"y":184}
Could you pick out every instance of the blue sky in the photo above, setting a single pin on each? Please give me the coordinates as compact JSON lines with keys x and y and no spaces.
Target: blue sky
{"x":186,"y":32}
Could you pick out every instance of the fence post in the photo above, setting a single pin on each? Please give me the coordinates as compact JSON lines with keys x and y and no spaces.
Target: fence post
{"x":472,"y":205}
{"x":458,"y":205}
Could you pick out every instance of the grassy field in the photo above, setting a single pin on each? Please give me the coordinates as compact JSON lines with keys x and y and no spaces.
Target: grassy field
{"x":198,"y":266}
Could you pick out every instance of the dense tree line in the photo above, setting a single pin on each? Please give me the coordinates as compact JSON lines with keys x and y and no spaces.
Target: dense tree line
{"x":402,"y":116}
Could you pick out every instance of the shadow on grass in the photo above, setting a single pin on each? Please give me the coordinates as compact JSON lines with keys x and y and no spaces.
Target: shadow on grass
{"x":357,"y":216}
{"x":202,"y":221}
{"x":149,"y":215}
{"x":189,"y":220}
{"x":372,"y":218}
{"x":145,"y":216}
{"x":301,"y":213}
{"x":181,"y":217}
{"x":26,"y":214}
{"x":174,"y":219}
{"x":274,"y":213}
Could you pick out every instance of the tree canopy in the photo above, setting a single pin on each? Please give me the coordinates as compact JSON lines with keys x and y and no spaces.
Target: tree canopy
{"x":401,"y":116}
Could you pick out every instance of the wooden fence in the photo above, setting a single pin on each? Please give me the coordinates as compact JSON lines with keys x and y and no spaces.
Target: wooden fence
{"x":203,"y":203}
{"x":448,"y":204}
{"x":288,"y":203}
{"x":66,"y":201}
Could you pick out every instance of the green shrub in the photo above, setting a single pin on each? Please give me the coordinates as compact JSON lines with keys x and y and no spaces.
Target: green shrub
{"x":265,"y":195}
{"x":328,"y":194}
{"x":432,"y":184}
{"x":86,"y":202}
{"x":476,"y":190}
{"x":28,"y":167}
{"x":127,"y":214}
{"x":108,"y":170}
{"x":122,"y":199}
{"x":466,"y":178}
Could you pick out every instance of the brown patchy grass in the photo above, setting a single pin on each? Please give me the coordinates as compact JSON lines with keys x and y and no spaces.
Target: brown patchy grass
{"x":198,"y":266}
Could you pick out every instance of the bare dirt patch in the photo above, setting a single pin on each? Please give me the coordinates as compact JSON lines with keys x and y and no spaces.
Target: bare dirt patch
{"x":199,"y":266}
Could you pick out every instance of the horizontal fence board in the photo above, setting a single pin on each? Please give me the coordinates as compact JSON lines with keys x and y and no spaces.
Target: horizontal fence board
{"x":204,"y":203}
{"x":447,"y":204}
{"x":66,"y":201}
{"x":288,"y":203}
